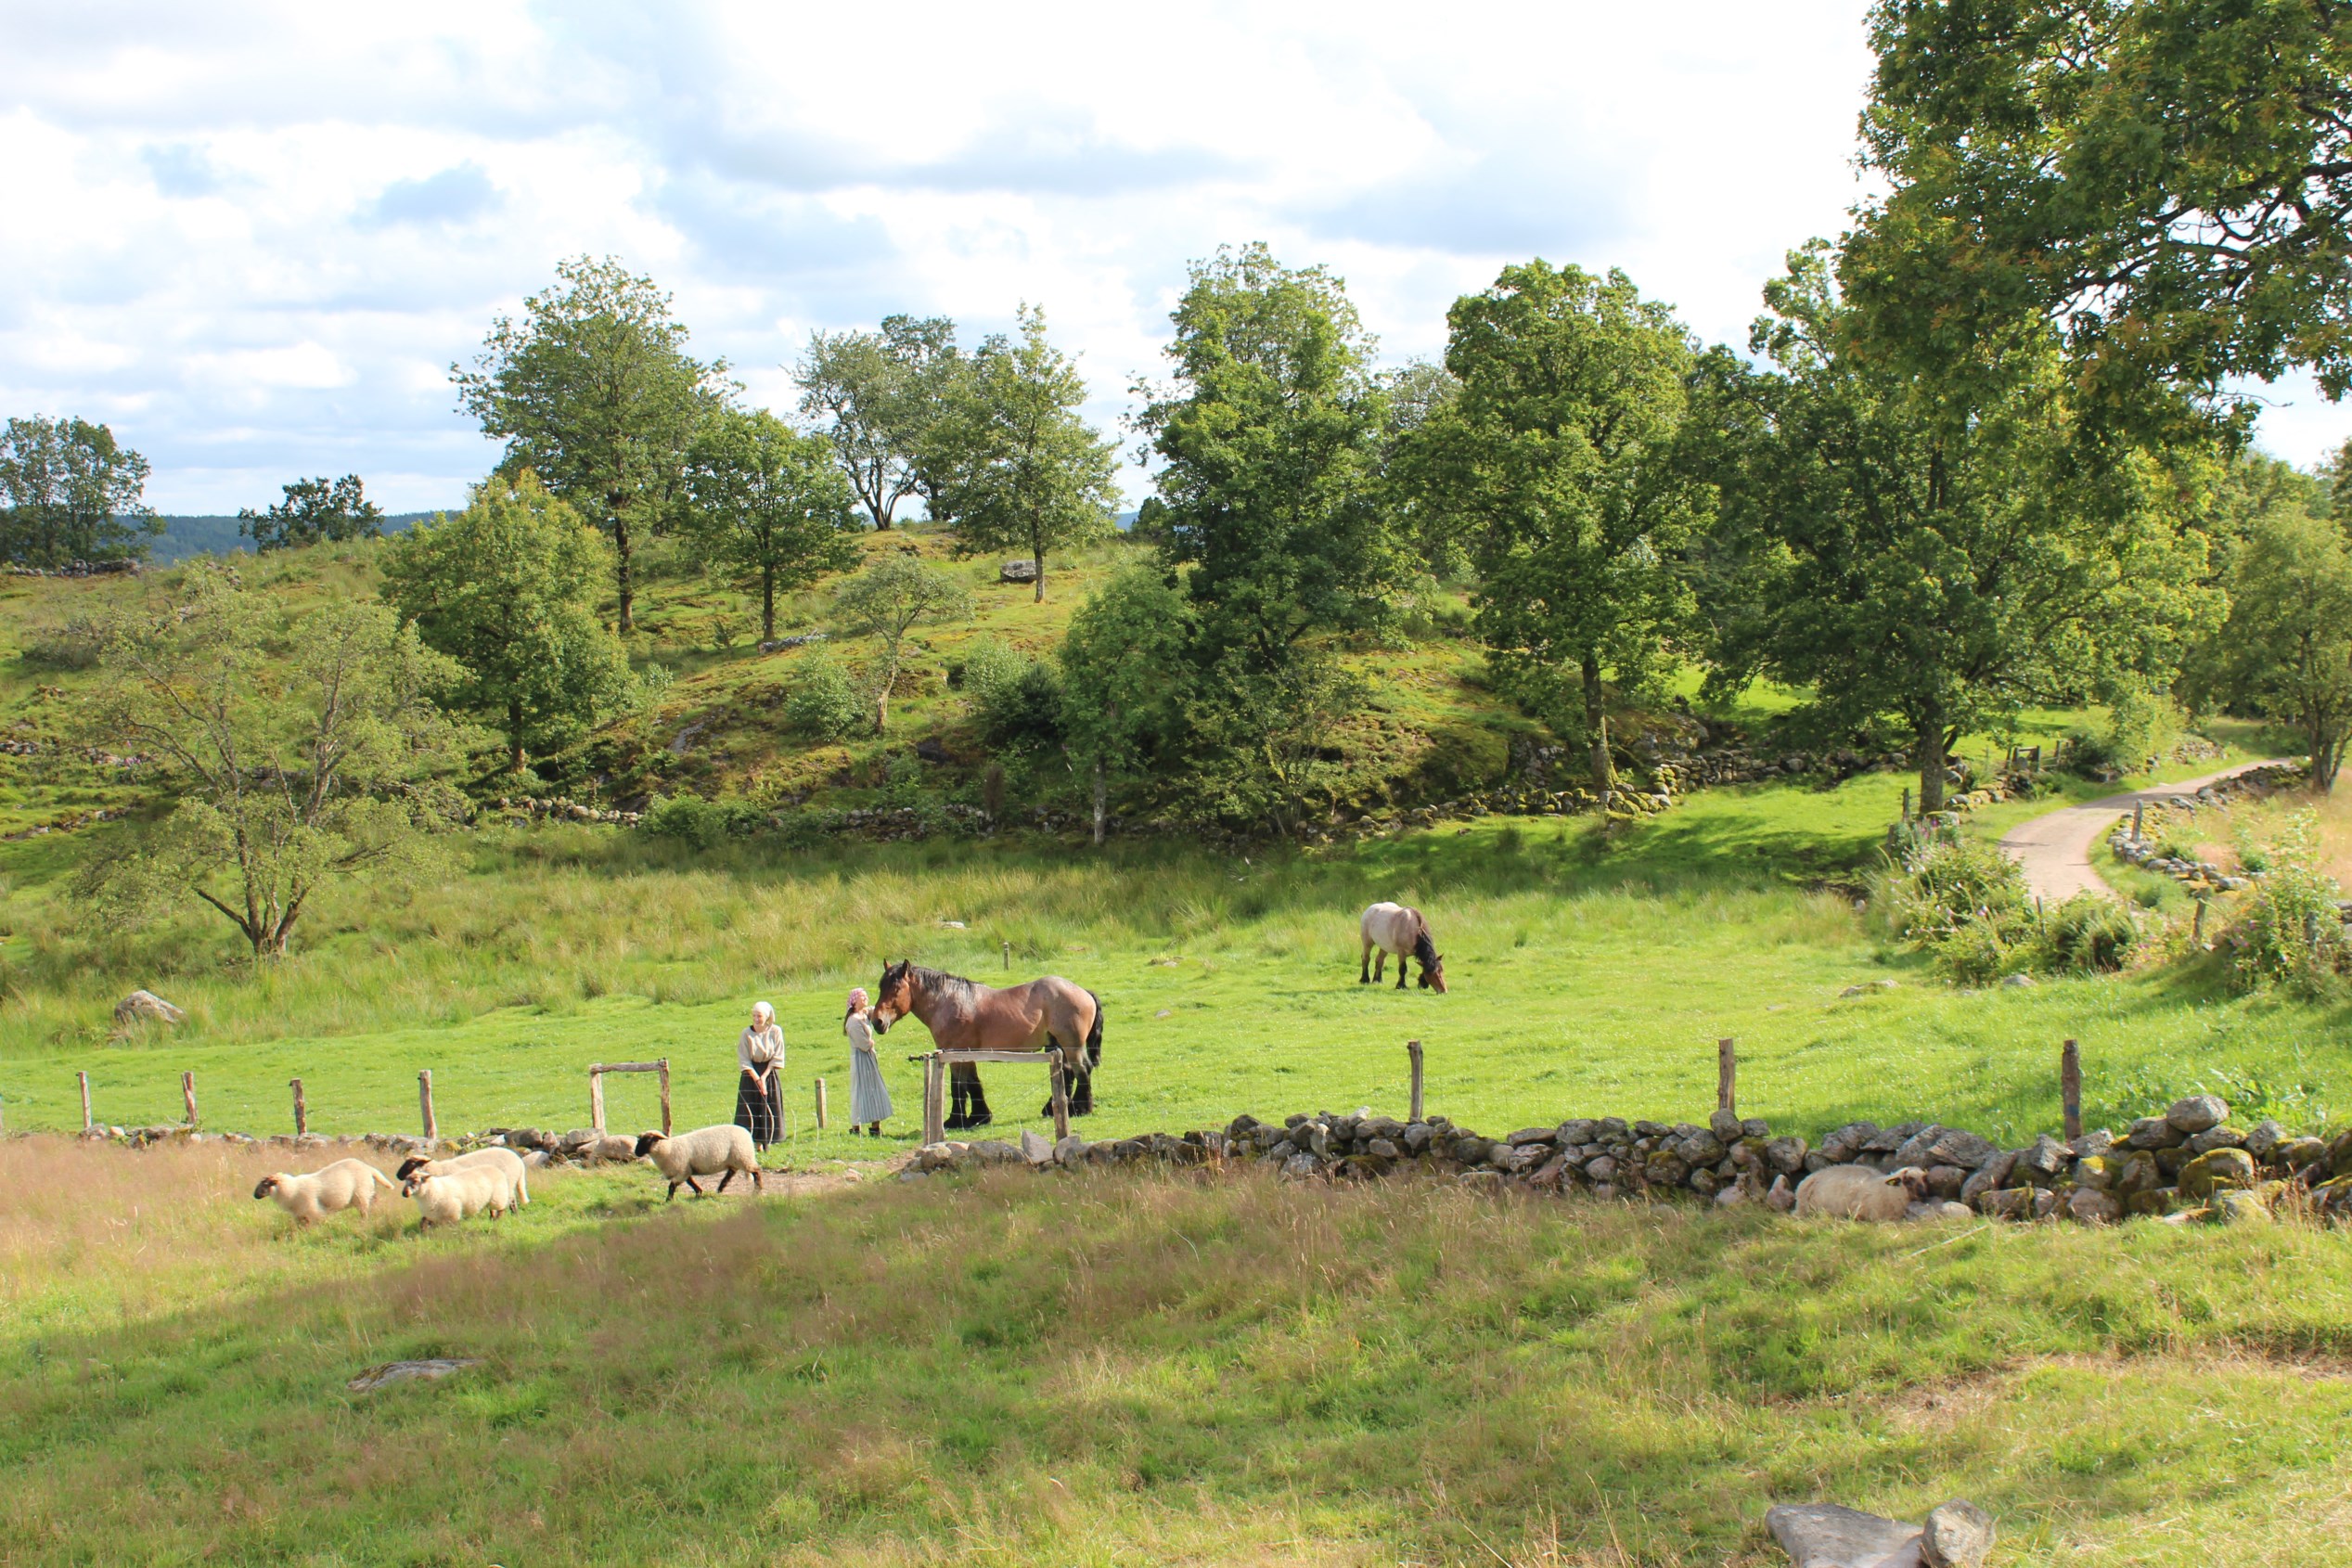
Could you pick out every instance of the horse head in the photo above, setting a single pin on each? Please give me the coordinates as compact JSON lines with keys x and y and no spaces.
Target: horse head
{"x":893,"y":994}
{"x":1432,"y":967}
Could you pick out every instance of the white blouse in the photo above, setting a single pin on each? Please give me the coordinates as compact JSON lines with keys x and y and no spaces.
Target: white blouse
{"x":760,"y":1049}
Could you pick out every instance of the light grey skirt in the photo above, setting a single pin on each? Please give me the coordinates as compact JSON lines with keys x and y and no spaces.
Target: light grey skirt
{"x":868,"y":1099}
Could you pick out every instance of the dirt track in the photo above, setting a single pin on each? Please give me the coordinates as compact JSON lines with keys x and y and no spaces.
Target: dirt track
{"x":2055,"y":849}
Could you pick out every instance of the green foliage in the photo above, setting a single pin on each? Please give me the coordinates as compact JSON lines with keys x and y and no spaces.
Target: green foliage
{"x":315,"y":511}
{"x":1961,"y":902}
{"x":1023,"y":716}
{"x":594,"y":391}
{"x":1555,"y":463}
{"x":2291,"y":933}
{"x":1019,"y":467}
{"x":1124,"y":676}
{"x":2165,"y":176}
{"x":508,"y":588}
{"x":703,"y":824}
{"x":766,"y":503}
{"x":295,"y":751}
{"x":70,"y":491}
{"x":888,"y":600}
{"x":2285,"y":652}
{"x":2089,"y":934}
{"x":823,"y":705}
{"x":990,"y":664}
{"x":1930,"y":548}
{"x":876,"y":396}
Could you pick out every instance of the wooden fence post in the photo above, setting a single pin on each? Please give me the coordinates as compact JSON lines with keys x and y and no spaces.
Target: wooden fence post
{"x":2138,"y":820}
{"x":2197,"y":927}
{"x":1007,"y":957}
{"x":2070,"y":1088}
{"x":662,"y":1065}
{"x":1413,"y":1053}
{"x":84,"y":1080}
{"x":301,"y":1111}
{"x":596,"y":1100}
{"x":1061,"y":1098}
{"x":1907,"y":803}
{"x":820,"y":1105}
{"x":187,"y":1095}
{"x":1727,"y":1075}
{"x":425,"y":1104}
{"x":934,"y":1107}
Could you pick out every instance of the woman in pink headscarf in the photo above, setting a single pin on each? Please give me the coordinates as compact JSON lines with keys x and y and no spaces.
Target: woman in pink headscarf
{"x":868,"y":1099}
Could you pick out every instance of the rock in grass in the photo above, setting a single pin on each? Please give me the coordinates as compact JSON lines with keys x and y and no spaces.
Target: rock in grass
{"x":429,"y":1369}
{"x":2094,"y":1207}
{"x":145,"y":1004}
{"x":1958,"y":1535}
{"x":2222,"y":1168}
{"x":2196,"y":1113}
{"x":1035,"y":1149}
{"x":1825,"y":1535}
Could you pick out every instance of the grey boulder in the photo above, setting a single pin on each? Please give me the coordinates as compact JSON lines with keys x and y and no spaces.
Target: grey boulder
{"x":2196,"y":1113}
{"x":1958,"y":1535}
{"x":1825,"y":1535}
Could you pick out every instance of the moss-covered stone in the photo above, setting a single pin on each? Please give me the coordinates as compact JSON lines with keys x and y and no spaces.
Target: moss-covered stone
{"x":2216,"y":1171}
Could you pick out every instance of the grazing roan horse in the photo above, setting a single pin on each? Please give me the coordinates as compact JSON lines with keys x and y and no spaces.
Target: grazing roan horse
{"x":965,"y":1015}
{"x":1392,"y":928}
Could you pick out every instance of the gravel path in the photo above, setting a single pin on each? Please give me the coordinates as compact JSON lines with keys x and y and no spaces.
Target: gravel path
{"x":2055,"y":849}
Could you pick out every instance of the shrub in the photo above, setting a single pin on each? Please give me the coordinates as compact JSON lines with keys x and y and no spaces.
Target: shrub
{"x":2091,"y":934}
{"x":2292,"y":934}
{"x":1962,"y":904}
{"x":699,"y":823}
{"x":1025,"y":713}
{"x":991,"y":665}
{"x":826,"y":705}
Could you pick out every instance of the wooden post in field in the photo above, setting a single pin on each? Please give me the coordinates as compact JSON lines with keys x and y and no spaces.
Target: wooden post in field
{"x":301,"y":1111}
{"x":663,"y":1067}
{"x":1061,"y":1098}
{"x":596,"y":1100}
{"x":425,"y":1104}
{"x":2070,"y":1088}
{"x":187,"y":1095}
{"x":1727,"y":1075}
{"x":2197,"y":927}
{"x":2138,"y":820}
{"x":1413,"y":1054}
{"x":1907,"y":803}
{"x":1007,"y":957}
{"x":820,"y":1105}
{"x":935,"y":1097}
{"x":84,"y":1079}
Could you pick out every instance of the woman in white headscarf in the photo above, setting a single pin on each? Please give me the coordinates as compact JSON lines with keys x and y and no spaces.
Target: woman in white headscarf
{"x":869,"y":1099}
{"x":758,"y":1094}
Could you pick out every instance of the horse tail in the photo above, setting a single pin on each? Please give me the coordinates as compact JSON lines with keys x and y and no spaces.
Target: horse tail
{"x":1093,"y":1035}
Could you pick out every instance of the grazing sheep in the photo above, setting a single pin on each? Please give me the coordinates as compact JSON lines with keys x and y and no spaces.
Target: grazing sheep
{"x":1861,"y":1192}
{"x":504,"y":1160}
{"x":703,"y":1152}
{"x":446,"y":1197}
{"x":346,"y":1184}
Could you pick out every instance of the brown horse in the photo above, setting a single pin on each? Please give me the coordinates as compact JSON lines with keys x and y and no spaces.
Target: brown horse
{"x":1393,"y":928}
{"x":965,"y":1015}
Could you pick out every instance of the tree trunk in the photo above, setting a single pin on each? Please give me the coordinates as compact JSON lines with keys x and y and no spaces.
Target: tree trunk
{"x":1930,"y":755}
{"x":768,"y":604}
{"x":620,"y":550}
{"x":514,"y":736}
{"x":1604,"y":777}
{"x":1101,"y":801}
{"x":1040,"y":556}
{"x":881,"y":696}
{"x":2327,"y":756}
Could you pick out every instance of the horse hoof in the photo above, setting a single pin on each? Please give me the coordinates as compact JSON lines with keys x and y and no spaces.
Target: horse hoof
{"x":979,"y":1121}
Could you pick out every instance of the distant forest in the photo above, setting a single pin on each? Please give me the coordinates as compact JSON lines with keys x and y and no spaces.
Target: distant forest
{"x":185,"y":536}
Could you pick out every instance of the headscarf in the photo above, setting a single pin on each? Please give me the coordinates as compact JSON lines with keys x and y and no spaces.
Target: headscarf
{"x":857,"y":1004}
{"x":762,"y":1014}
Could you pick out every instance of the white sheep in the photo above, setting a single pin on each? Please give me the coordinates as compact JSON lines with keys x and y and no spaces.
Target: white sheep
{"x":1861,"y":1192}
{"x":505,"y":1161}
{"x":705,"y":1151}
{"x":346,"y":1184}
{"x":446,"y":1197}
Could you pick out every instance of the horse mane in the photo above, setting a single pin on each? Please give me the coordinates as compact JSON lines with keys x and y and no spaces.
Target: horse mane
{"x":1424,"y":948}
{"x":939,"y":983}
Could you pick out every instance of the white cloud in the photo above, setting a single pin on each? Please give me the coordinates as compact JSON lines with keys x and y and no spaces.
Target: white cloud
{"x":267,"y":228}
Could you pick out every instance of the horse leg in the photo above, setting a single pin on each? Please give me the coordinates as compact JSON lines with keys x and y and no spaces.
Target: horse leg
{"x":1364,"y":971}
{"x":981,"y":1116}
{"x":957,"y":1121}
{"x":1379,"y":964}
{"x":1401,"y":964}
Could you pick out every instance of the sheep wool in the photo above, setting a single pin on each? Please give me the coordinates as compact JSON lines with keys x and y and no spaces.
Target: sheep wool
{"x":706,"y":1151}
{"x":446,"y":1197}
{"x":346,"y":1184}
{"x":505,"y":1161}
{"x":1861,"y":1192}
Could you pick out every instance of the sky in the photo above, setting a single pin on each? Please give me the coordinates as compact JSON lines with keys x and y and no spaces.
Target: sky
{"x":253,"y":237}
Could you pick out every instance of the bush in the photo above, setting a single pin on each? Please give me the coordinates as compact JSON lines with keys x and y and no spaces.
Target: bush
{"x":2292,"y":934}
{"x":1024,"y":714}
{"x":826,"y":705}
{"x":1962,"y":904}
{"x":2091,"y":936}
{"x":991,"y":666}
{"x":699,"y":823}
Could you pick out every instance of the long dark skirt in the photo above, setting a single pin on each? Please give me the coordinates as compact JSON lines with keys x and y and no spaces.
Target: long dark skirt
{"x":759,"y":1107}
